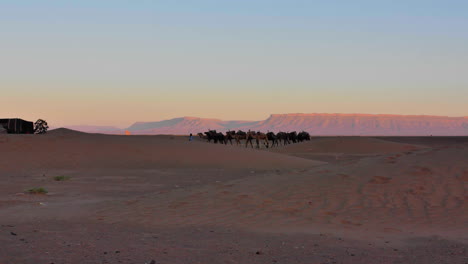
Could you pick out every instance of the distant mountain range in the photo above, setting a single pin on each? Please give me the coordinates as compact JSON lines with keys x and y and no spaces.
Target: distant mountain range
{"x":315,"y":124}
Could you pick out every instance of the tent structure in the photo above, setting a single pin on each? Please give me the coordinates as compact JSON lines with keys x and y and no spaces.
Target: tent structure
{"x":17,"y":126}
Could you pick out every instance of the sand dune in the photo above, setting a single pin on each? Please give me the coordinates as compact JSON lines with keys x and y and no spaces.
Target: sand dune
{"x":348,"y":145}
{"x":70,"y":149}
{"x":429,"y":141}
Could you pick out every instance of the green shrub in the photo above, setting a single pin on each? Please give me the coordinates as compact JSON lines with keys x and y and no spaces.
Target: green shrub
{"x":61,"y":178}
{"x":39,"y":190}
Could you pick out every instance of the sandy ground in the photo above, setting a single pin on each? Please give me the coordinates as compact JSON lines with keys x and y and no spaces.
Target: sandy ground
{"x":162,"y":199}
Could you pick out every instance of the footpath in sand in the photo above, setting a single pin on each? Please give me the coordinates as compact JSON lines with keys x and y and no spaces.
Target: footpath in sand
{"x":134,"y":199}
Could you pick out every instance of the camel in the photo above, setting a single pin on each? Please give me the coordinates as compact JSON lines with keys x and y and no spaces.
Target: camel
{"x":209,"y":136}
{"x":202,"y":136}
{"x":230,"y":135}
{"x":239,"y":136}
{"x":272,"y":137}
{"x":302,"y":136}
{"x":292,"y":136}
{"x":264,"y":137}
{"x":216,"y":136}
{"x":220,"y":137}
{"x":283,"y":136}
{"x":257,"y":136}
{"x":248,"y":138}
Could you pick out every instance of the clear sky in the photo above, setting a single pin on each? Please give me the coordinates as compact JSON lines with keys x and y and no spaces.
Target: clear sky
{"x":116,"y":62}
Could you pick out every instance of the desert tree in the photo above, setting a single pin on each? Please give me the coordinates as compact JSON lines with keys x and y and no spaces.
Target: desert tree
{"x":40,"y":127}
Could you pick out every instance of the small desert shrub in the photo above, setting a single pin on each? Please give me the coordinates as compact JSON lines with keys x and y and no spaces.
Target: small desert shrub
{"x":61,"y":178}
{"x":39,"y":190}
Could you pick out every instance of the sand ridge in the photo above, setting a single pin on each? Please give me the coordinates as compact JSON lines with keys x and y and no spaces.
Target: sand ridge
{"x":348,"y":145}
{"x":65,"y":148}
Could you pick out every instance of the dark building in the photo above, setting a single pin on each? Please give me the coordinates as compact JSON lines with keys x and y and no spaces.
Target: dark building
{"x":17,"y":126}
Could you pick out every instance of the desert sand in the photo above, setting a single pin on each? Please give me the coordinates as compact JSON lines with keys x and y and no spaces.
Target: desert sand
{"x":163,"y":199}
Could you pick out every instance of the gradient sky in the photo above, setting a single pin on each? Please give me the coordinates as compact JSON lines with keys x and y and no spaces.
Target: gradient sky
{"x":117,"y":62}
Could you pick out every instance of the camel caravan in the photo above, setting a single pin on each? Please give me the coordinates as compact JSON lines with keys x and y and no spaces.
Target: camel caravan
{"x":283,"y":138}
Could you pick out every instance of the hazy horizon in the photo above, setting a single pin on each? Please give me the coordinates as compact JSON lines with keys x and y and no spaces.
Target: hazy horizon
{"x":116,"y":62}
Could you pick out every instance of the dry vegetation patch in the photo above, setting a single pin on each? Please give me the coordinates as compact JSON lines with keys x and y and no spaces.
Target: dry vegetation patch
{"x":37,"y":190}
{"x":61,"y":178}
